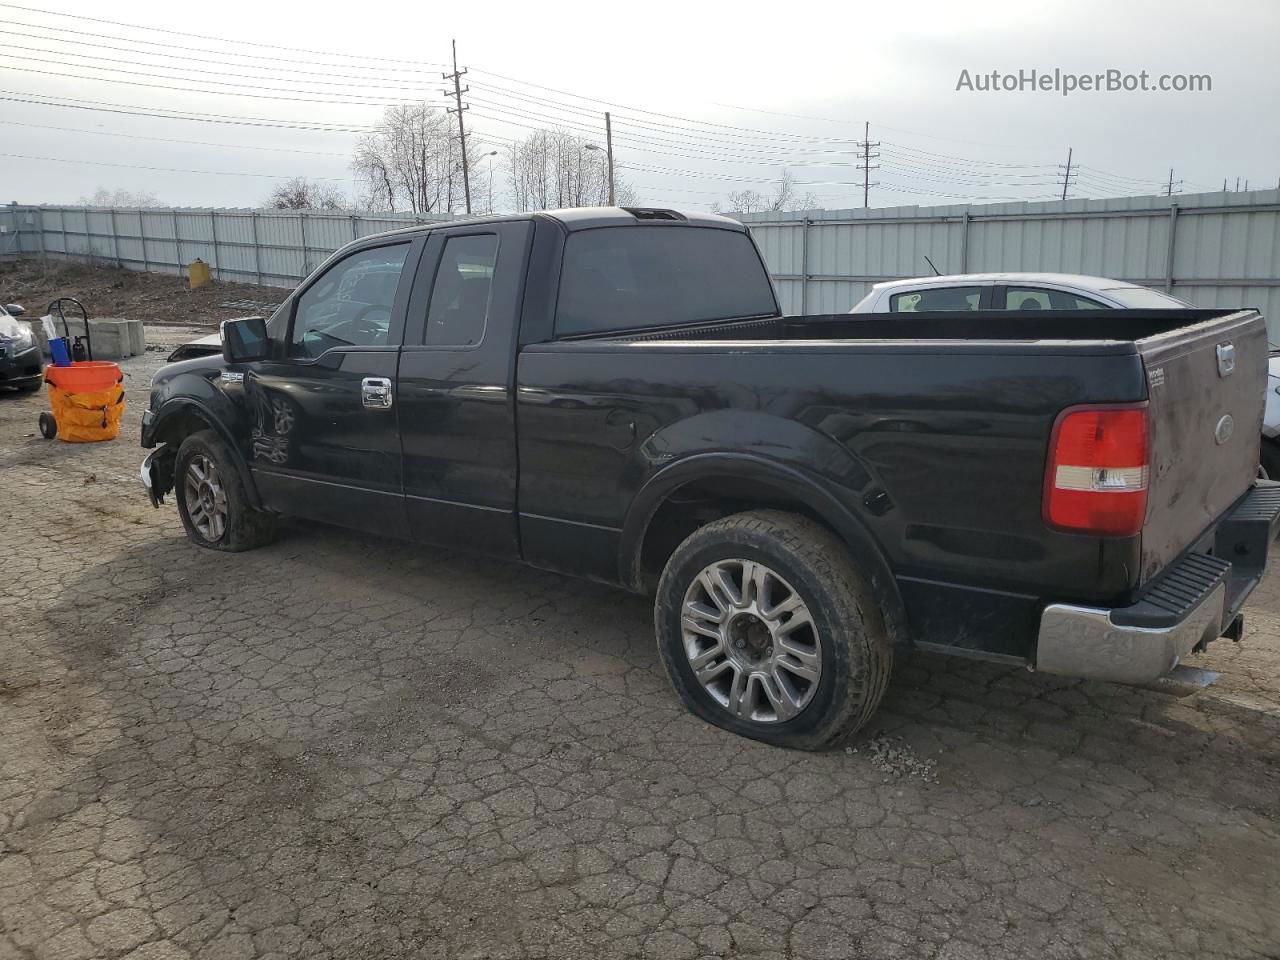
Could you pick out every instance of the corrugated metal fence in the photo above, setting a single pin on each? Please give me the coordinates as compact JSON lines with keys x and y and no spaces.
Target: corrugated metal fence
{"x":1213,"y":249}
{"x":272,"y":247}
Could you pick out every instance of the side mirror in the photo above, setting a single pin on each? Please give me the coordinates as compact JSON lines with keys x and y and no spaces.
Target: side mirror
{"x":244,"y":340}
{"x":14,"y":309}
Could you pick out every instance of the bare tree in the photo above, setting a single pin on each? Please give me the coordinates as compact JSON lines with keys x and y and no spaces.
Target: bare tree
{"x":555,"y":168}
{"x":412,"y":161}
{"x":299,"y":193}
{"x":102,"y":197}
{"x":784,"y":197}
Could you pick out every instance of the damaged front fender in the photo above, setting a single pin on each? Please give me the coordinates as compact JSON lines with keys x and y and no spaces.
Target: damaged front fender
{"x":156,"y":473}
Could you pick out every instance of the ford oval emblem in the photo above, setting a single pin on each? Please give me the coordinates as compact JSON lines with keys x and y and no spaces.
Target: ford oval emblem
{"x":1222,"y":432}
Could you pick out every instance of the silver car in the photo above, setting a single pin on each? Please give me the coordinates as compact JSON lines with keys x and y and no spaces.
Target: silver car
{"x":1012,"y":291}
{"x":1052,"y":291}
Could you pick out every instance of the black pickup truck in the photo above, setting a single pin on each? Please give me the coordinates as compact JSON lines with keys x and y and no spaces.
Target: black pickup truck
{"x":614,"y":393}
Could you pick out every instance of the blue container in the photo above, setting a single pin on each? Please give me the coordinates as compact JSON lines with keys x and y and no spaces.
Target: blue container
{"x":61,"y":355}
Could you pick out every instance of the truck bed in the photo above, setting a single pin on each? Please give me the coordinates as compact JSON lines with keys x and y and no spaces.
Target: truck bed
{"x":941,"y":422}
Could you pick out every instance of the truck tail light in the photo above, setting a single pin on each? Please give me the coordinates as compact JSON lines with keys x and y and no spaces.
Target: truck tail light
{"x":1099,"y":462}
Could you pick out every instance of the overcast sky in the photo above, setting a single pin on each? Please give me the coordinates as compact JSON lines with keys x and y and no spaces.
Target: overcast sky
{"x":723,"y":92}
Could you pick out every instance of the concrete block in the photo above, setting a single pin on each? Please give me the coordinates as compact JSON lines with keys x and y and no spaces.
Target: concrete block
{"x":113,"y":338}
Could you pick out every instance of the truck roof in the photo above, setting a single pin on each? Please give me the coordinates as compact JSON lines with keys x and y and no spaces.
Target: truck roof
{"x":572,"y":219}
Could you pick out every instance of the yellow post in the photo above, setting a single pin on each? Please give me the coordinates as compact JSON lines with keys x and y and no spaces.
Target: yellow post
{"x":198,"y":273}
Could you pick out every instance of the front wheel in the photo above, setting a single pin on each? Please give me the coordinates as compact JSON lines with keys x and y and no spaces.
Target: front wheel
{"x":767,"y":629}
{"x":212,"y":502}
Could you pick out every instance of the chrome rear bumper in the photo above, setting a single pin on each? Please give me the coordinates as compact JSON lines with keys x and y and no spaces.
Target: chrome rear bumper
{"x":1189,"y":605}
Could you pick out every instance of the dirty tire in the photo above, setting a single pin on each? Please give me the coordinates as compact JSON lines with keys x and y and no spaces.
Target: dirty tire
{"x":856,"y":652}
{"x":48,"y":426}
{"x":245,"y":527}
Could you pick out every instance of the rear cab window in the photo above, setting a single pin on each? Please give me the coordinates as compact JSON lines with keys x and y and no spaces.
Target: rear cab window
{"x":628,"y":278}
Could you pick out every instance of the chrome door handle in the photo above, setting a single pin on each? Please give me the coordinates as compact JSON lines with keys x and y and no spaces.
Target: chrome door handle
{"x":375,"y":393}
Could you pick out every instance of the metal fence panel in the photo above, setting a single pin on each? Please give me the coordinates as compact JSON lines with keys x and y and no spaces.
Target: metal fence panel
{"x":272,"y":247}
{"x":1213,"y":249}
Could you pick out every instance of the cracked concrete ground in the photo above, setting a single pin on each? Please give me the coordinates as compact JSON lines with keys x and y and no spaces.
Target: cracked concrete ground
{"x":344,"y":747}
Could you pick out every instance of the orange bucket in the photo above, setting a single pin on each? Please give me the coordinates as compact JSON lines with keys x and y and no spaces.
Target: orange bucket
{"x":85,"y":376}
{"x":87,"y":401}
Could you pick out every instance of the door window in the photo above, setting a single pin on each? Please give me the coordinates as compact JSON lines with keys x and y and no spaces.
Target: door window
{"x":936,"y":298}
{"x":462,"y":292}
{"x":1036,"y":298}
{"x":350,"y":304}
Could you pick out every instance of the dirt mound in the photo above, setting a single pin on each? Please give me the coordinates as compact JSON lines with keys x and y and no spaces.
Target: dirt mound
{"x":108,"y":291}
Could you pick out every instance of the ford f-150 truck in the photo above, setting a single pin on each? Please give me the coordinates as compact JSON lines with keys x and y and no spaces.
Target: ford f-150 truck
{"x":615,"y":393}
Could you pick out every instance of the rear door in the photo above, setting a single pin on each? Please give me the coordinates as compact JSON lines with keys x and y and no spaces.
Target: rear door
{"x":1206,"y":384}
{"x":454,"y":394}
{"x":325,"y":439}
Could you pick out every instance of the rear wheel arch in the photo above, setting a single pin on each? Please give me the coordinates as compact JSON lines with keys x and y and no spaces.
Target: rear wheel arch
{"x":706,"y":487}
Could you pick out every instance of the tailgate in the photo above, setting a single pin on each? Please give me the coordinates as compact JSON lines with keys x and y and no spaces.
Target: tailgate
{"x":1207,"y":384}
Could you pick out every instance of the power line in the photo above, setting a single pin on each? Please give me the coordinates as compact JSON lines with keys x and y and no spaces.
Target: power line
{"x":134,"y":166}
{"x":202,"y":36}
{"x":340,"y":80}
{"x":359,"y":101}
{"x":275,"y":58}
{"x":194,"y":143}
{"x":106,"y":106}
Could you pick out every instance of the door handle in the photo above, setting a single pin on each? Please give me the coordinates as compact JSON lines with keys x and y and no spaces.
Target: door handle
{"x":376,"y":393}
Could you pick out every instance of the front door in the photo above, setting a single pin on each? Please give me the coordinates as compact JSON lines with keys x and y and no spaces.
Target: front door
{"x":325,"y":435}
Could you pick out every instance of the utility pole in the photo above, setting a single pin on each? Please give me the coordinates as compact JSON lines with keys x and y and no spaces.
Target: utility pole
{"x":1067,"y":174}
{"x":866,"y":165}
{"x":1169,"y":191}
{"x":608,"y":146}
{"x":458,"y":91}
{"x":1237,"y":184}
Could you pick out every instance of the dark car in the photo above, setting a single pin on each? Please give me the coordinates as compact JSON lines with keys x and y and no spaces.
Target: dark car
{"x":21,"y":364}
{"x":614,"y":393}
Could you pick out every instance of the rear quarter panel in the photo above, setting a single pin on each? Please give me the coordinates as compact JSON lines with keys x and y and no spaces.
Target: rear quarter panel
{"x":947,"y":441}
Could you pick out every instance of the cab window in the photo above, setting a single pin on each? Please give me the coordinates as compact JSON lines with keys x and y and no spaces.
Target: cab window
{"x":350,"y":303}
{"x":936,"y":298}
{"x":464,"y":286}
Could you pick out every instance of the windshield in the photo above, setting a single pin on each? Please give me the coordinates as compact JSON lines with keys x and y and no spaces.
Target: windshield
{"x":1144,"y":297}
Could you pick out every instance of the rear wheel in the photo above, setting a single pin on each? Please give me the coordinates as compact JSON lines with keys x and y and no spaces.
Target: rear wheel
{"x":212,"y":501}
{"x":766,"y":628}
{"x":48,"y":426}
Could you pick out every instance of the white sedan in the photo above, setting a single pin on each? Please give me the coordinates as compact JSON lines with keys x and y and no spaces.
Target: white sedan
{"x":1052,"y":291}
{"x":1012,"y":291}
